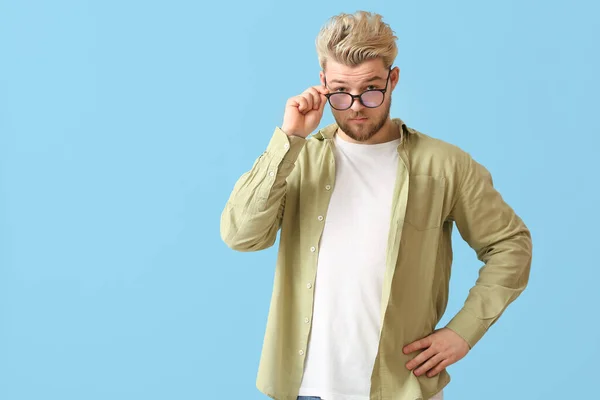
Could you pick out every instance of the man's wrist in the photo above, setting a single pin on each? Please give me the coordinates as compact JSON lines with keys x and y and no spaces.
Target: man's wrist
{"x":291,"y":133}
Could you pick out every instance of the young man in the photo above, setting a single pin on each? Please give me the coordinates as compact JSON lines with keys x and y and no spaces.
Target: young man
{"x":366,"y":209}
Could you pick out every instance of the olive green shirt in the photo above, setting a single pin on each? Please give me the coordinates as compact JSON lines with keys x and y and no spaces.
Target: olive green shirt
{"x":438,"y":186}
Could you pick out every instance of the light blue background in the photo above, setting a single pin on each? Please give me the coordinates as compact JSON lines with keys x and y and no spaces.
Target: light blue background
{"x":124,"y":125}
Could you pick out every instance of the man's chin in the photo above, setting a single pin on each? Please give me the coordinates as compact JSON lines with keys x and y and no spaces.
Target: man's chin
{"x":359,"y":134}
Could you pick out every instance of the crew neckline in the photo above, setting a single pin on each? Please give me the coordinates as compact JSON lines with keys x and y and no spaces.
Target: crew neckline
{"x":365,"y":146}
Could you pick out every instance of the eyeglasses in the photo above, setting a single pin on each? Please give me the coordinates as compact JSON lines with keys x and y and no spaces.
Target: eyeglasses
{"x":372,"y":98}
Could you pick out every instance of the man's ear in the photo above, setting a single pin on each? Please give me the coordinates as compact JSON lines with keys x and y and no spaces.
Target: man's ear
{"x":395,"y":77}
{"x":322,"y":77}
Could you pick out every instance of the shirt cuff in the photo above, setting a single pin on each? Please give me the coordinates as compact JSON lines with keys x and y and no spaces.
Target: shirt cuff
{"x":467,"y":326}
{"x":284,"y":147}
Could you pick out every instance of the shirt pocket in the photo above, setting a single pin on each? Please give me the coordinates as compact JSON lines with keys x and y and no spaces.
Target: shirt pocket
{"x":425,"y":202}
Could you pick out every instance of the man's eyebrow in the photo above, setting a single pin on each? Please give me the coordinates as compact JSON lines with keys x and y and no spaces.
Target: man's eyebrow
{"x":372,"y":79}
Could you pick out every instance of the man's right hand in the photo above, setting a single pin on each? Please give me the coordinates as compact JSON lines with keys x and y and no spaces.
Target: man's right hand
{"x":304,"y":112}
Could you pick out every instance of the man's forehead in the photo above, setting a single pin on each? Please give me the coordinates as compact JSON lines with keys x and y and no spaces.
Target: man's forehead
{"x":367,"y":72}
{"x":366,"y":76}
{"x":374,"y":77}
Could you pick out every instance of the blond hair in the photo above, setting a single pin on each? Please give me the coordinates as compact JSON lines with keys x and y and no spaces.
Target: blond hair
{"x":351,"y":39}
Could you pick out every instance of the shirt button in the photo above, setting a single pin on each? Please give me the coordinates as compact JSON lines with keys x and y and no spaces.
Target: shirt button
{"x":306,"y":320}
{"x":309,"y":285}
{"x":271,"y":173}
{"x":320,"y":218}
{"x":286,"y":146}
{"x":301,"y":352}
{"x":327,"y":187}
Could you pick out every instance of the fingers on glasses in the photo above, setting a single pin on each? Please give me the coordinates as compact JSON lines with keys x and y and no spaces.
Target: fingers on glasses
{"x":316,"y":97}
{"x":303,"y":103}
{"x":321,"y":89}
{"x":311,"y":99}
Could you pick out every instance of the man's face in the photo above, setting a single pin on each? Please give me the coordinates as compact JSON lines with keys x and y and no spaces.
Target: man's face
{"x":359,"y":122}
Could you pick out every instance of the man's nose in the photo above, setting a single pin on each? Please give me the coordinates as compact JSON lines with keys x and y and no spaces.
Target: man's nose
{"x":357,"y":105}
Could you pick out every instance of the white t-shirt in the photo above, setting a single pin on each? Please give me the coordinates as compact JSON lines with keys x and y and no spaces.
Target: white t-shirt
{"x":346,"y":314}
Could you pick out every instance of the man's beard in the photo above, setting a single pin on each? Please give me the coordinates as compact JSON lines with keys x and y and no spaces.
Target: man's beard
{"x":362,"y":133}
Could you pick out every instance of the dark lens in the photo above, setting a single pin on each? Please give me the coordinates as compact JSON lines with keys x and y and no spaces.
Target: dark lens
{"x":372,"y":98}
{"x":340,"y":101}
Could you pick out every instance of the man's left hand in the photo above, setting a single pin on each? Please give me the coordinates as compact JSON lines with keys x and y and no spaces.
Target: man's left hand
{"x":442,"y":348}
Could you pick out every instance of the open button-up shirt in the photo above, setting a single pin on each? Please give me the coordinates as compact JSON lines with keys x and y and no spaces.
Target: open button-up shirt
{"x":438,"y":187}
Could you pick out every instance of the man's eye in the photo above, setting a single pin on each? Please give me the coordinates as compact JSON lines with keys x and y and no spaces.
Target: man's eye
{"x":340,"y":89}
{"x":371,"y":87}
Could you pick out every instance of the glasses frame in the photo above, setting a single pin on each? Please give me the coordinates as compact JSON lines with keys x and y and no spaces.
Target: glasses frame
{"x":358,"y":96}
